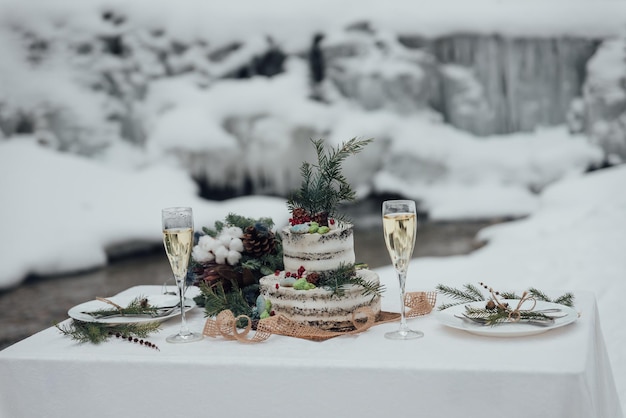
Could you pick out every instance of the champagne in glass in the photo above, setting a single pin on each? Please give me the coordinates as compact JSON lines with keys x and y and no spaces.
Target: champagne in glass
{"x":178,"y":241}
{"x":400,"y":229}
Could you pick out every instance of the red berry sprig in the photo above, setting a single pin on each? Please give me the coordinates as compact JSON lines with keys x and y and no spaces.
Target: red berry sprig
{"x":132,"y":339}
{"x":299,"y":216}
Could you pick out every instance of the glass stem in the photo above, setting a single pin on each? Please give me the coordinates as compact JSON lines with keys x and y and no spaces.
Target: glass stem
{"x":181,"y":293}
{"x":402,"y":281}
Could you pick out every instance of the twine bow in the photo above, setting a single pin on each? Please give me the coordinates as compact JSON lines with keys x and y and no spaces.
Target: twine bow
{"x":514,"y":315}
{"x":110,"y":302}
{"x":225,"y":323}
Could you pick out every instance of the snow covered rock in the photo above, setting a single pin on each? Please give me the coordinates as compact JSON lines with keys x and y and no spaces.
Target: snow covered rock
{"x":604,"y":95}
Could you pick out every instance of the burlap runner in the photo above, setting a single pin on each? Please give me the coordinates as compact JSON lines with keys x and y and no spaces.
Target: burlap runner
{"x":225,"y":324}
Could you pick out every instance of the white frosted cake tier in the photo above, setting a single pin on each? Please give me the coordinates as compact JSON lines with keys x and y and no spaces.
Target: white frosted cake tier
{"x":319,"y":307}
{"x":318,"y":252}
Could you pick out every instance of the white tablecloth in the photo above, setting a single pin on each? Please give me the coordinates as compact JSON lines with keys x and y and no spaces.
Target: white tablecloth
{"x":448,"y":373}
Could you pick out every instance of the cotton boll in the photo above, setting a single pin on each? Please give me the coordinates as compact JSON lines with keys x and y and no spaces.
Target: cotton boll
{"x":210,"y":257}
{"x":221,"y":253}
{"x":236,"y":244}
{"x":224,"y":239}
{"x":233,"y":232}
{"x":233,"y":257}
{"x":206,"y":242}
{"x":201,"y":255}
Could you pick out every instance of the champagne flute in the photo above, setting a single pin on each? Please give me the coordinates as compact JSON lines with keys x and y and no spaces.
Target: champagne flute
{"x":178,"y":240}
{"x":400,"y":229}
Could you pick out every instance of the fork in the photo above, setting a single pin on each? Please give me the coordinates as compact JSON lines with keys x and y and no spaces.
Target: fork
{"x":483,"y":321}
{"x":159,"y":313}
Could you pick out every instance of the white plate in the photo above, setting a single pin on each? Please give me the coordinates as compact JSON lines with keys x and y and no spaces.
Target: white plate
{"x":77,"y":312}
{"x":447,"y":317}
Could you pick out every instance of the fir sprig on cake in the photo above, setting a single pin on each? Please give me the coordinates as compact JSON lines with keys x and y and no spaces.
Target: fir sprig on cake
{"x":324,"y":186}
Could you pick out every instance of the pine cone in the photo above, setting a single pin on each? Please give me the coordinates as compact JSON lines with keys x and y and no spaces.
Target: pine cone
{"x":213,"y":274}
{"x":321,"y":218}
{"x":313,"y":278}
{"x":299,"y":216}
{"x":258,"y":241}
{"x":299,"y":213}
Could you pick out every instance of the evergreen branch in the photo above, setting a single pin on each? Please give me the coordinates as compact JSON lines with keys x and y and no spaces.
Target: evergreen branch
{"x":566,"y":299}
{"x":336,"y":281}
{"x":233,"y":219}
{"x":492,"y":317}
{"x":470,"y":294}
{"x":216,"y":299}
{"x":96,"y":333}
{"x":251,"y":263}
{"x":538,"y":294}
{"x":498,"y":316}
{"x":369,"y":287}
{"x":138,"y":306}
{"x":266,"y":264}
{"x":472,"y":290}
{"x":510,"y":295}
{"x":209,"y":231}
{"x":323,"y":185}
{"x":445,"y":306}
{"x":244,"y":222}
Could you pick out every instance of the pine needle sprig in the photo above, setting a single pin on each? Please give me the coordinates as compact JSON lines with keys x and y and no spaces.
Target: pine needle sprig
{"x":538,"y":294}
{"x":369,"y":287}
{"x":337,"y":280}
{"x":497,"y":316}
{"x":138,"y":306}
{"x":471,"y":293}
{"x":97,"y":333}
{"x":239,"y":221}
{"x":510,"y":295}
{"x":323,"y":185}
{"x":566,"y":299}
{"x":216,"y":299}
{"x":267,"y":263}
{"x":492,"y":317}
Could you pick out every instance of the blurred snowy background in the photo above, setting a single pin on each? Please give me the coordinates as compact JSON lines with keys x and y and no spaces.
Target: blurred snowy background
{"x":475,"y":108}
{"x":111,"y":110}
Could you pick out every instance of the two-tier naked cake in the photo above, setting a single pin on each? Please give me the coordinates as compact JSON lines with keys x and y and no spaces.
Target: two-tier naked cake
{"x":320,"y":284}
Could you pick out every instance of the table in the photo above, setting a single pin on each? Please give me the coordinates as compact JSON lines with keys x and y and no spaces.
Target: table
{"x":449,"y":373}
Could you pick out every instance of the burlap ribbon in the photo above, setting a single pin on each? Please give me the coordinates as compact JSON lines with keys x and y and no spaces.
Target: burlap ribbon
{"x":225,"y":324}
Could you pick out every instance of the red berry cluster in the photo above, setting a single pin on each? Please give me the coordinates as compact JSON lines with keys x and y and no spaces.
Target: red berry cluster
{"x":297,"y":221}
{"x":299,"y":216}
{"x":310,"y":277}
{"x":296,"y":275}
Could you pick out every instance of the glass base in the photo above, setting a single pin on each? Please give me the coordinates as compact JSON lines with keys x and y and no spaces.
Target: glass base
{"x":405,"y":334}
{"x":185,"y":338}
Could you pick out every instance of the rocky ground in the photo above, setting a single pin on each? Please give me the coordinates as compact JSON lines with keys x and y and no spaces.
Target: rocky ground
{"x":40,"y":302}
